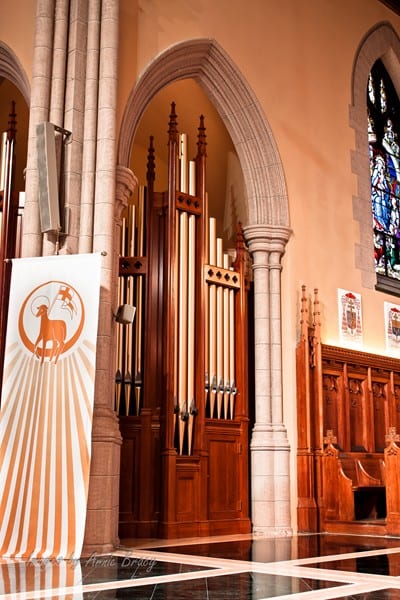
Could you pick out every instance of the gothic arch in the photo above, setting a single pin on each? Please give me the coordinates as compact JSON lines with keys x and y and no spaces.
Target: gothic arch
{"x":381,"y":42}
{"x":206,"y":62}
{"x":266,"y":232}
{"x":11,"y":69}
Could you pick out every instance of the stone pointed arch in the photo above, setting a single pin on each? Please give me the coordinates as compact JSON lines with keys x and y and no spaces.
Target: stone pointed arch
{"x":267,"y":233}
{"x":11,"y":69}
{"x":206,"y":62}
{"x":380,"y":42}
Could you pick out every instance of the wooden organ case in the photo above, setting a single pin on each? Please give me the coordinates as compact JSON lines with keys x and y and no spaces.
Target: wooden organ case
{"x":10,"y":222}
{"x":181,"y":373}
{"x":348,"y":457}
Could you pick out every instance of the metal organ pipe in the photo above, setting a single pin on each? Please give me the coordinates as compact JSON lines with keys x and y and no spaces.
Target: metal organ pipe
{"x":220,"y":334}
{"x":183,"y":323}
{"x":120,"y":340}
{"x":232,"y":383}
{"x":212,"y":323}
{"x":3,"y":159}
{"x":191,"y":323}
{"x":186,"y":251}
{"x":183,"y":170}
{"x":219,"y":313}
{"x":227,"y":334}
{"x":139,"y":303}
{"x":128,"y":299}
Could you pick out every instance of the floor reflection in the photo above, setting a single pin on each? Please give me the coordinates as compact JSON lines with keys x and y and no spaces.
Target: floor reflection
{"x":244,"y":586}
{"x":326,"y":566}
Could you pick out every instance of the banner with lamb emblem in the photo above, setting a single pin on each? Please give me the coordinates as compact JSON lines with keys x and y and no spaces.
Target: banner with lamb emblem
{"x":47,"y":405}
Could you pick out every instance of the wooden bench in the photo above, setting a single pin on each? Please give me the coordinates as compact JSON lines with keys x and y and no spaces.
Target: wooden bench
{"x":354,"y":485}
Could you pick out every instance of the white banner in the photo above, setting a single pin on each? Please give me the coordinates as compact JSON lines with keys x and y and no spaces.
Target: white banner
{"x":47,"y":405}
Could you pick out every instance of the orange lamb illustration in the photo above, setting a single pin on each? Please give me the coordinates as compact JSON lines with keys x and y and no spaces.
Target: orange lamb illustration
{"x":52,"y":331}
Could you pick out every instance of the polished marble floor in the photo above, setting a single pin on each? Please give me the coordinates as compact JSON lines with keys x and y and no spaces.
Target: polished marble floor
{"x":319,"y":566}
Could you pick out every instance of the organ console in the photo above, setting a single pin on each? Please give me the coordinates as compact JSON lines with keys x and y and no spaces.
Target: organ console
{"x":181,"y":367}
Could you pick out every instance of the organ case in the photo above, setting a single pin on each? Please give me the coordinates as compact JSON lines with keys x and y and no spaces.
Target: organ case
{"x":181,"y":373}
{"x":11,"y":211}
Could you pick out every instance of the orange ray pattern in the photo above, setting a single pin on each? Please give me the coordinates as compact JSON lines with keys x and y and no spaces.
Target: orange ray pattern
{"x":45,"y":455}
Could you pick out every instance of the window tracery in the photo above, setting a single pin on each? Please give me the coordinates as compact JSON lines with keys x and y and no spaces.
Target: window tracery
{"x":384,"y":156}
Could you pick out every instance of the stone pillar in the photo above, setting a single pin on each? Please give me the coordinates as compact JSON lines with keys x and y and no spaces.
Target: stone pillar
{"x":38,"y":112}
{"x":89,"y":147}
{"x":101,"y":534}
{"x":269,"y":447}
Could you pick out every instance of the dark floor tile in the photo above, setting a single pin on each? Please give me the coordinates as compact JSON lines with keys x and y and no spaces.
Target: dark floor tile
{"x":16,"y":576}
{"x":387,"y":594}
{"x":288,"y":548}
{"x":116,"y":568}
{"x":242,"y":586}
{"x":382,"y":564}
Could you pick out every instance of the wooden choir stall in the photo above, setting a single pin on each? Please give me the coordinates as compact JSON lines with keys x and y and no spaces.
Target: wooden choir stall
{"x":181,"y":372}
{"x":348,"y":457}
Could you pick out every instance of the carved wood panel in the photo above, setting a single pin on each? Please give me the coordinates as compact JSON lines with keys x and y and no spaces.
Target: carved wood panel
{"x":348,"y":413}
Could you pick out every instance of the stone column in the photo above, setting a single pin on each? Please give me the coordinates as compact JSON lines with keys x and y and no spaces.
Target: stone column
{"x":101,"y":534}
{"x":89,"y":148}
{"x":269,"y":447}
{"x":39,"y":112}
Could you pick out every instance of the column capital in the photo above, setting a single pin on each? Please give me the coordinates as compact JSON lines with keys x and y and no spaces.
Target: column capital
{"x":266,"y":238}
{"x":126,"y":182}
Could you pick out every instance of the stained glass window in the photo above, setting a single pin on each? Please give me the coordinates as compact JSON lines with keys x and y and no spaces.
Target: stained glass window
{"x":384,"y":156}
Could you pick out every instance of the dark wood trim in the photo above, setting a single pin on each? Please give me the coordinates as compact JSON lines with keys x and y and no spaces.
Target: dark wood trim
{"x":394,"y":5}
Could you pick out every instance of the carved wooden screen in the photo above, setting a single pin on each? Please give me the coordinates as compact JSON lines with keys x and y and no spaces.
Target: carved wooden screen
{"x":348,"y":412}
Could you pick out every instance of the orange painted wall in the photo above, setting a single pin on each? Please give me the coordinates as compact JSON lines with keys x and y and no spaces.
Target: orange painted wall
{"x":298,"y":57}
